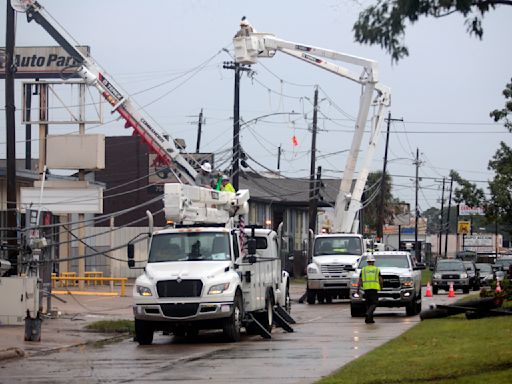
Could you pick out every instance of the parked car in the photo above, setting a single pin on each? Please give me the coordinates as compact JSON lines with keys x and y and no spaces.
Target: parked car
{"x":486,"y":273}
{"x":449,"y":271}
{"x":503,"y":263}
{"x":473,"y":275}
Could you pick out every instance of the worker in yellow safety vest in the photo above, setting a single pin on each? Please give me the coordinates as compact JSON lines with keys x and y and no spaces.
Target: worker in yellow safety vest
{"x":226,"y":185}
{"x":371,"y":282}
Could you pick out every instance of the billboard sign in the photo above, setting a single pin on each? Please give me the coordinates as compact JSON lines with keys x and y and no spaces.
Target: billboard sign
{"x":42,"y":62}
{"x":466,"y":210}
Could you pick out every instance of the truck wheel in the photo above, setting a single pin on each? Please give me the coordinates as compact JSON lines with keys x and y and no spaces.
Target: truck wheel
{"x":411,"y":308}
{"x":418,"y":307}
{"x":143,"y":332}
{"x":311,"y":296}
{"x":435,"y":290}
{"x":465,"y":289}
{"x":320,"y":297}
{"x":268,"y":315}
{"x":233,"y":323}
{"x":328,"y":298}
{"x":357,"y":310}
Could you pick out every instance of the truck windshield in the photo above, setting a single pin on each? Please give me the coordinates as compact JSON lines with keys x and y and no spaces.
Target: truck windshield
{"x":450,"y":266}
{"x":342,"y":245}
{"x":194,"y":246}
{"x":387,"y":261}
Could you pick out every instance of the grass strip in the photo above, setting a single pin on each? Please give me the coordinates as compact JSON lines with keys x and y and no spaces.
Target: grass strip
{"x":449,"y":350}
{"x":112,"y":326}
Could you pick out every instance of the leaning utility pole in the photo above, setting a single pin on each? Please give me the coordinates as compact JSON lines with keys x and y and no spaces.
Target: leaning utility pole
{"x":312,"y":189}
{"x":199,"y":126}
{"x":236,"y":119}
{"x":380,"y":224}
{"x":10,"y":139}
{"x":417,"y":252}
{"x":448,"y":219}
{"x":442,"y":221}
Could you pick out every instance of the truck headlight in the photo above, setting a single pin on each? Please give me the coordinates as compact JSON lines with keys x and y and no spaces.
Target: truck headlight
{"x":407,"y":282}
{"x":218,"y":288}
{"x":312,"y":269}
{"x":463,"y":275}
{"x":143,"y":291}
{"x":437,"y":276}
{"x":354,"y":282}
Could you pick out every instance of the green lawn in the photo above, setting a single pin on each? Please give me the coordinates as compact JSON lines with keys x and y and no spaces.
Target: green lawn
{"x":112,"y":326}
{"x":426,"y":275}
{"x":450,"y":350}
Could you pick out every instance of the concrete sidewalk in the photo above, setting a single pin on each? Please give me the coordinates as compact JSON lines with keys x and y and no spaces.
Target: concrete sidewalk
{"x":67,"y":329}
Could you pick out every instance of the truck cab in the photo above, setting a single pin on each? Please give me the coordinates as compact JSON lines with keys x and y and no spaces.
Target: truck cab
{"x":334,"y":257}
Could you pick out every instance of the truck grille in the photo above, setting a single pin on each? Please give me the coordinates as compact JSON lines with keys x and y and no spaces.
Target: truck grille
{"x":179,"y":288}
{"x":450,"y":276}
{"x":333,"y":270}
{"x":179,"y":310}
{"x":391,"y":281}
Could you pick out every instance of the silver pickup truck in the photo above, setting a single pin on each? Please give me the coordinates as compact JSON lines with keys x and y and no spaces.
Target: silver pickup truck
{"x":401,"y":276}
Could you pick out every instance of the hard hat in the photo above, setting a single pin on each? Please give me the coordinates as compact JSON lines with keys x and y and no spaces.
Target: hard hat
{"x":370,"y":258}
{"x":244,"y":22}
{"x":225,"y":177}
{"x":206,"y":167}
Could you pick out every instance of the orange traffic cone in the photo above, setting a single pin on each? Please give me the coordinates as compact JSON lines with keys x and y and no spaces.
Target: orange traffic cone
{"x":498,"y":287}
{"x":451,"y":292}
{"x":428,"y":292}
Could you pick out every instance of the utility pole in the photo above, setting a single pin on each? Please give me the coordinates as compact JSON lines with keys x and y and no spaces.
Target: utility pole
{"x":380,"y":225}
{"x":441,"y":217}
{"x":236,"y":119}
{"x":279,"y":157}
{"x":416,"y":209}
{"x":448,"y":219}
{"x":10,"y":125}
{"x":199,"y":125}
{"x":312,"y":189}
{"x":28,"y":126}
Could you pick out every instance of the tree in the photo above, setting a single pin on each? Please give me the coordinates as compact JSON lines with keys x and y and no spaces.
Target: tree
{"x":467,"y":192}
{"x":503,"y":114}
{"x":371,"y":210}
{"x":384,"y":23}
{"x":500,"y":202}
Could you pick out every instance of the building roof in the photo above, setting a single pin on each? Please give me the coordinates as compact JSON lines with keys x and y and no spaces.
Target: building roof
{"x":286,"y":190}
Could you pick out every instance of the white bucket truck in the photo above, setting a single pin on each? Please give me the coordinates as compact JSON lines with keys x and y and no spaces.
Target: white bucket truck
{"x":199,"y":276}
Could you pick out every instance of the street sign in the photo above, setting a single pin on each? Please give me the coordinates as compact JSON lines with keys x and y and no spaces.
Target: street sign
{"x":464,"y":227}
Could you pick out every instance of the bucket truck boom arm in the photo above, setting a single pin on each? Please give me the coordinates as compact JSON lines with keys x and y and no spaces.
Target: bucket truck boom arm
{"x":249,"y":46}
{"x":157,"y":140}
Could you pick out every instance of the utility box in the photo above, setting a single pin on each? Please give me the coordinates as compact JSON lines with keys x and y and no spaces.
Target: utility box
{"x":17,"y":294}
{"x":75,"y":151}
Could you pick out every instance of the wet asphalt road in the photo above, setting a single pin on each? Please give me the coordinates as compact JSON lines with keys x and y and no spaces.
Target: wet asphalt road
{"x":325,"y":338}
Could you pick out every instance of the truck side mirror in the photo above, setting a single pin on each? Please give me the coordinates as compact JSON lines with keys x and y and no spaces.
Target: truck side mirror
{"x":251,"y":246}
{"x":419,"y":266}
{"x":130,"y":250}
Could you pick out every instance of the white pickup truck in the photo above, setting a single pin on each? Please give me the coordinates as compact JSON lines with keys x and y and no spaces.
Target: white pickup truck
{"x":334,"y":259}
{"x":401,"y":276}
{"x":195,"y":278}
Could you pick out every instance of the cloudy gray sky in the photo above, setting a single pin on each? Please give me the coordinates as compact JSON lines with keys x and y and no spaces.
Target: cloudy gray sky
{"x":171,"y":54}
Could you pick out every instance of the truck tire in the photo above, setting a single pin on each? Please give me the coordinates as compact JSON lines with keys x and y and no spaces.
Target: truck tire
{"x":320,"y":296}
{"x":233,"y":323}
{"x":310,"y":296}
{"x":144,"y":331}
{"x":357,"y":310}
{"x":411,"y":308}
{"x":465,"y":289}
{"x":435,"y":290}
